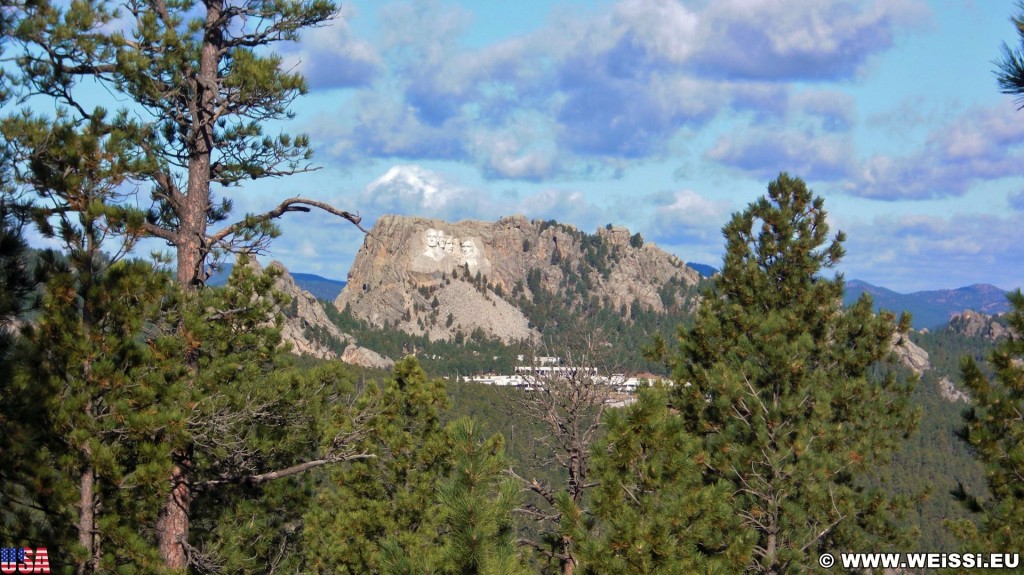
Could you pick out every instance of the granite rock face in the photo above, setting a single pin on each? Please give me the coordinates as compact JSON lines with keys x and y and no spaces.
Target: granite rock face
{"x":949,"y":391}
{"x":910,"y":354}
{"x":408,"y":271}
{"x":356,"y":355}
{"x":303,"y":314}
{"x":974,"y":324}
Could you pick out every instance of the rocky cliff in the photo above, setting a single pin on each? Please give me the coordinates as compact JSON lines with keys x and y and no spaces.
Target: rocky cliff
{"x":310,"y":331}
{"x":304,"y":315}
{"x":437,"y":278}
{"x":974,"y":324}
{"x":910,"y":354}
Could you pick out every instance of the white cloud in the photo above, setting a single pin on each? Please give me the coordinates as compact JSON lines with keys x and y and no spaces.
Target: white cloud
{"x":981,"y":144}
{"x":913,"y":252}
{"x":764,"y":152}
{"x":411,"y":189}
{"x":330,"y":57}
{"x":685,"y":217}
{"x":611,"y":89}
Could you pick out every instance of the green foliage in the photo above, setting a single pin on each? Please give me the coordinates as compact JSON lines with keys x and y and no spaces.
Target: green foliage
{"x":93,"y":426}
{"x":115,"y":406}
{"x":559,"y":316}
{"x":995,"y":432}
{"x":16,"y":282}
{"x":651,"y":512}
{"x":933,"y":463}
{"x":388,"y":497}
{"x":201,"y":83}
{"x":21,"y":420}
{"x":773,"y":378}
{"x":476,"y":502}
{"x":87,"y":352}
{"x":480,"y":354}
{"x":1010,"y":67}
{"x":246,"y":419}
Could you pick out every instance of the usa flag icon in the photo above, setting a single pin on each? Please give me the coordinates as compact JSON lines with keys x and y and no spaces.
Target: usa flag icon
{"x":24,"y":560}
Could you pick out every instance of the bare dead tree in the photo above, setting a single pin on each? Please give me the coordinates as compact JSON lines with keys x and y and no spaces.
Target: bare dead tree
{"x":566,"y":393}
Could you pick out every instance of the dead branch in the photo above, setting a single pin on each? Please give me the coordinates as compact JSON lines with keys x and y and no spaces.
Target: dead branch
{"x":296,"y":204}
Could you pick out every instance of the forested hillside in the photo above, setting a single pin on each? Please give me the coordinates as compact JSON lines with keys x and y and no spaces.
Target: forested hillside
{"x":155,"y":423}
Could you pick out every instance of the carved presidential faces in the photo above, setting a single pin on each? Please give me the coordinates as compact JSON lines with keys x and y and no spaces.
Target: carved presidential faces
{"x":440,"y":246}
{"x":431,"y":237}
{"x":435,"y":242}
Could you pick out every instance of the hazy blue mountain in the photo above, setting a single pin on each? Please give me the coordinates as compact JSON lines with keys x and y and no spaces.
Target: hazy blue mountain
{"x":321,"y":287}
{"x":704,"y":270}
{"x":933,"y":308}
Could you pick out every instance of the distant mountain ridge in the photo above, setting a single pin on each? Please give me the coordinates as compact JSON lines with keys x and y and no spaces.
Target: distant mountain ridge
{"x":932,"y":308}
{"x":704,"y":270}
{"x":322,"y":288}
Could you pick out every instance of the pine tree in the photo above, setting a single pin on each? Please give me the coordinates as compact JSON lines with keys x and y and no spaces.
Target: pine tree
{"x":476,"y":534}
{"x":773,"y":379}
{"x":244,"y":419}
{"x":79,"y":355}
{"x":994,"y":430}
{"x":99,"y":428}
{"x":391,"y":497}
{"x":201,"y":82}
{"x":651,"y":513}
{"x":477,"y":502}
{"x":21,"y":520}
{"x":135,"y":379}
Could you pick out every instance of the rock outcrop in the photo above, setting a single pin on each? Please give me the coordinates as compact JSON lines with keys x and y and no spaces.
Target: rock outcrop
{"x":974,"y":324}
{"x":310,"y":331}
{"x":910,"y":354}
{"x":408,"y":273}
{"x":949,"y":391}
{"x":304,"y":315}
{"x":356,"y":355}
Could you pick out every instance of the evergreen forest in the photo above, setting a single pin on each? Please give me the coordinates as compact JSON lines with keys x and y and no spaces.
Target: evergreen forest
{"x":153,"y":423}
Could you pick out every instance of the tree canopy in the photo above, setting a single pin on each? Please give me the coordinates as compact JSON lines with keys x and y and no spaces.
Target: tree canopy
{"x":773,"y":379}
{"x":994,"y":430}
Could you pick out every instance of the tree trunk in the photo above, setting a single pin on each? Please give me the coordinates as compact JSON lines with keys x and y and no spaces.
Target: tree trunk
{"x":173,"y":522}
{"x":87,"y":497}
{"x":569,"y":562}
{"x":87,"y":519}
{"x":191,"y":248}
{"x":172,"y":525}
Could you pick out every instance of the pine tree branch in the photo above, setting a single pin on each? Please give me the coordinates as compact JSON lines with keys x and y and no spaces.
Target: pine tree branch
{"x":259,"y":478}
{"x":822,"y":534}
{"x":533,"y":485}
{"x":290,"y":205}
{"x":157,"y":231}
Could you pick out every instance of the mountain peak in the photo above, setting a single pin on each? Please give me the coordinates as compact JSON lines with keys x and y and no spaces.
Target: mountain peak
{"x":438,"y":278}
{"x":932,"y":308}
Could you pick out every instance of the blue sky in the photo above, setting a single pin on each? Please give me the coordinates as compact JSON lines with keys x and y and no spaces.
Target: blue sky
{"x":666,"y":117}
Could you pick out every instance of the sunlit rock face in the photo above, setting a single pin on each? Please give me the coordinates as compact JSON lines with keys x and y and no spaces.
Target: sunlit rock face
{"x":356,"y":355}
{"x":413,"y":273}
{"x":973,"y":324}
{"x":444,"y":252}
